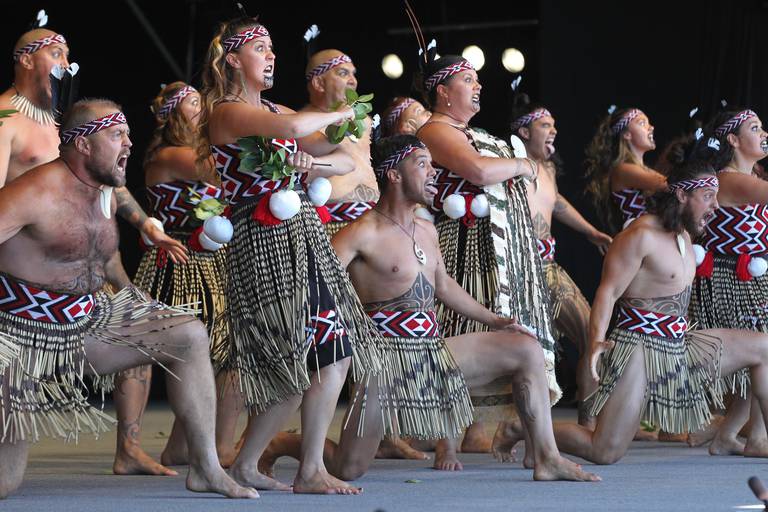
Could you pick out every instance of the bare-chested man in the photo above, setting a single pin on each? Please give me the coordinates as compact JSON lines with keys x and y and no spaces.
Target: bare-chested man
{"x":535,"y":126}
{"x":329,"y":74}
{"x":652,"y":366}
{"x":30,"y":138}
{"x":58,"y":246}
{"x":398,"y":287}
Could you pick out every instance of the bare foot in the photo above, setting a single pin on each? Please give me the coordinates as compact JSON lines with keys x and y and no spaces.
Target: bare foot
{"x":251,"y":477}
{"x":756,"y":448}
{"x":644,"y":435}
{"x":135,"y":461}
{"x":423,"y":445}
{"x":508,"y":433}
{"x":726,"y":446}
{"x":446,"y":460}
{"x":702,"y":437}
{"x":529,"y":462}
{"x":174,"y":456}
{"x":560,"y":468}
{"x":216,"y":480}
{"x":323,"y":483}
{"x":668,"y":437}
{"x":278,"y":446}
{"x":396,"y":448}
{"x":476,"y":440}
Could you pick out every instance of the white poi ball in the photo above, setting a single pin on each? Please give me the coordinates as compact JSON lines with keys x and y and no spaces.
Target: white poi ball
{"x":157,"y":223}
{"x":757,"y":267}
{"x":208,"y":244}
{"x":699,"y":252}
{"x":455,"y":206}
{"x":518,"y":147}
{"x":284,"y":204}
{"x":425,"y":214}
{"x":480,"y":206}
{"x":319,"y":191}
{"x":219,"y":229}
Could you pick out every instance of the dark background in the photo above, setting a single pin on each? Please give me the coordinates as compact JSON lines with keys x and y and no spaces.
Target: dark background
{"x":661,"y":56}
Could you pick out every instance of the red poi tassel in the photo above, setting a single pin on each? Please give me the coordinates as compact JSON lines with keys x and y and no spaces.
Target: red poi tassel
{"x":162,"y":258}
{"x":194,"y":240}
{"x":262,"y":214}
{"x":742,"y":267}
{"x":323,"y":213}
{"x":707,"y":266}
{"x":469,"y":218}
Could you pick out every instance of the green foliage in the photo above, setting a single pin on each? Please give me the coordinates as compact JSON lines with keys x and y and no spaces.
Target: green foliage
{"x":362,"y":107}
{"x":259,"y":152}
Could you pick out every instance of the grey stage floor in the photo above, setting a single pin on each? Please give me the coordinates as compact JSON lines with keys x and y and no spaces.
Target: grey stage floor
{"x":654,"y":476}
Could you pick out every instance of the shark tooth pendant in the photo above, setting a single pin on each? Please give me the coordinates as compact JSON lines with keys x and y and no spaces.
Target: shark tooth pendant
{"x":419,"y":253}
{"x":105,"y":200}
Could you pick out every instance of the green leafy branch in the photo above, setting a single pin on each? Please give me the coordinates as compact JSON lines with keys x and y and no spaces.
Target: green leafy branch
{"x":6,"y":113}
{"x":259,"y":152}
{"x":362,"y":107}
{"x":205,"y":208}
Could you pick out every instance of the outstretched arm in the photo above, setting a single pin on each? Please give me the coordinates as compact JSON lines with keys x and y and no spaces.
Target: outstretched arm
{"x":621,"y":265}
{"x":568,"y":215}
{"x":129,"y":209}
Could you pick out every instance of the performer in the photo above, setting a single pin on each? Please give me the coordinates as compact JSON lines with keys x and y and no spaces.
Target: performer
{"x":403,"y":115}
{"x":58,"y":246}
{"x":493,"y":257}
{"x":619,"y":179}
{"x":294,"y":318}
{"x":653,"y":366}
{"x":329,"y":74}
{"x":398,"y":287}
{"x":535,"y":126}
{"x":726,"y":294}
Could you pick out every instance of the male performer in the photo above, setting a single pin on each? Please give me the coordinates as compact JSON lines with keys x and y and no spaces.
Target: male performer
{"x":30,"y":138}
{"x":58,"y":245}
{"x":329,"y":74}
{"x":535,"y":125}
{"x":653,"y":367}
{"x":398,"y":288}
{"x":403,"y":115}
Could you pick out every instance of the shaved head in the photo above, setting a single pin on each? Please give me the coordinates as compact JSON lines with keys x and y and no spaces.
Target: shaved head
{"x":320,"y":57}
{"x":33,"y":35}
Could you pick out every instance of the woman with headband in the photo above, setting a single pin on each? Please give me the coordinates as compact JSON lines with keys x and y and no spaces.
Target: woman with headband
{"x":731,"y":288}
{"x":295,"y":320}
{"x":619,"y":179}
{"x":484,"y":223}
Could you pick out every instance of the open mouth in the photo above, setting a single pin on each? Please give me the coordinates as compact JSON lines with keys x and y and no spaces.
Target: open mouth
{"x":476,"y":99}
{"x":764,"y":145}
{"x":549,"y":144}
{"x":122,"y":162}
{"x":269,"y":70}
{"x":650,"y":137}
{"x":430,"y":187}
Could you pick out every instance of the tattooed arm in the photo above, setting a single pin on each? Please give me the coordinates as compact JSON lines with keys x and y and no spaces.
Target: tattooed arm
{"x":568,"y":215}
{"x":129,"y":209}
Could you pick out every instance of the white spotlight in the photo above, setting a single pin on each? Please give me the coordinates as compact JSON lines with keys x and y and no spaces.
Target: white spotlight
{"x":513,"y":60}
{"x":475,"y":56}
{"x":392,"y":66}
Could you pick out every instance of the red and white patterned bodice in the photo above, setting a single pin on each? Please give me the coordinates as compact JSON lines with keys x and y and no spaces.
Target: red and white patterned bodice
{"x":244,"y":186}
{"x":546,"y":248}
{"x":735,"y":230}
{"x":631,"y":203}
{"x":651,"y":322}
{"x":26,"y":301}
{"x":170,"y":202}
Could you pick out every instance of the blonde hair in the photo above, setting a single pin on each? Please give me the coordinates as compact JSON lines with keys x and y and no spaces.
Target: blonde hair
{"x":219,"y":80}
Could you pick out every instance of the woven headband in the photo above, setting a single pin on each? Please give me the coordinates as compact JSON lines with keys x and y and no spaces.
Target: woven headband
{"x":327,"y":66}
{"x":398,"y":156}
{"x":394,"y":116}
{"x":733,"y":123}
{"x":91,"y":127}
{"x":688,"y":185}
{"x":443,"y":74}
{"x":236,"y":41}
{"x":529,"y":118}
{"x":624,"y":121}
{"x":174,"y":101}
{"x":38,"y":44}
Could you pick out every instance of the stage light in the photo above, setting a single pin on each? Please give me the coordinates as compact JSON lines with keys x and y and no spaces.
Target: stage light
{"x":392,"y":66}
{"x":513,"y":60}
{"x":475,"y":56}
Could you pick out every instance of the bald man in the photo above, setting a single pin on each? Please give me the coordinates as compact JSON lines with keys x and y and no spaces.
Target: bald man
{"x":329,"y":74}
{"x":30,"y":137}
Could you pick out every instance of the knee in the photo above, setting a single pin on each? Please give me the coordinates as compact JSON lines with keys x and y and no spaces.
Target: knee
{"x":351,"y":470}
{"x":608,"y":455}
{"x":191,"y":334}
{"x":530,"y":356}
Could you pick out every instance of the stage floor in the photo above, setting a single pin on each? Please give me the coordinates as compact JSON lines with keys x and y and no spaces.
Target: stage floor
{"x":653,"y":476}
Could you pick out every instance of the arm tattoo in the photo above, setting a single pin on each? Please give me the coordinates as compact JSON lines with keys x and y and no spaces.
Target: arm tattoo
{"x":561,"y":204}
{"x":361,"y":193}
{"x":129,"y":209}
{"x":670,"y":305}
{"x":420,"y":297}
{"x":541,"y":227}
{"x":522,"y":392}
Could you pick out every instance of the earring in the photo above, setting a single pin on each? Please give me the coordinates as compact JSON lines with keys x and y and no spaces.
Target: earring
{"x":449,"y":103}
